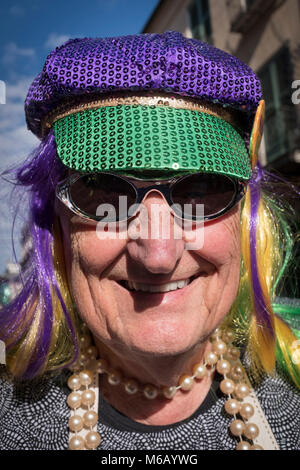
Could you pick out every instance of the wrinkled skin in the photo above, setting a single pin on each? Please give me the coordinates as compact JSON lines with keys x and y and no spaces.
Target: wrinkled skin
{"x":153,"y":337}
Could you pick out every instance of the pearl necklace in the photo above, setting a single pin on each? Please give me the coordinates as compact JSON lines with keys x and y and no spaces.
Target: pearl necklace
{"x":224,"y":357}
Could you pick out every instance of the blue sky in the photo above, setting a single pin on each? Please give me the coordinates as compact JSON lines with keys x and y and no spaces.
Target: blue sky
{"x":30,"y":29}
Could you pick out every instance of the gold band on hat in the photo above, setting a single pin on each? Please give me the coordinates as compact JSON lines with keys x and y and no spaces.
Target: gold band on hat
{"x":82,"y":103}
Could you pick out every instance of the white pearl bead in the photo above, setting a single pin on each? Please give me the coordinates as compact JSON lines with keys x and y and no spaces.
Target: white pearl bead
{"x":237,"y":427}
{"x":199,"y":371}
{"x":76,"y":443}
{"x":169,"y":392}
{"x":131,"y":386}
{"x":150,"y":391}
{"x":228,"y":336}
{"x":88,"y":397}
{"x":75,"y":423}
{"x":74,"y":400}
{"x":233,"y":353}
{"x":243,"y":445}
{"x":232,"y":406}
{"x":236,"y":373}
{"x":219,"y":347}
{"x":216,"y":334}
{"x":223,"y":366}
{"x":114,"y":377}
{"x":246,"y":411}
{"x":92,"y":440}
{"x":211,"y":358}
{"x":251,"y":431}
{"x":227,"y":386}
{"x":186,"y":382}
{"x":241,"y":391}
{"x":86,"y":377}
{"x":90,"y":418}
{"x":74,"y":382}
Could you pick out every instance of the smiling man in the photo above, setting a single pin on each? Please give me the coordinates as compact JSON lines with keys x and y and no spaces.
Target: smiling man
{"x":149,"y":324}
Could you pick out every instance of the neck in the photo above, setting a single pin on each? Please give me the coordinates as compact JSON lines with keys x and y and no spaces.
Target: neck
{"x":158,"y":371}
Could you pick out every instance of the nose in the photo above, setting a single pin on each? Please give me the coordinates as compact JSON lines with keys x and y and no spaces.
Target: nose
{"x":159,"y":247}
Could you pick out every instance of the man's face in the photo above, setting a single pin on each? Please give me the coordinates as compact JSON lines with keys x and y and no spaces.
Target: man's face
{"x":103,"y":275}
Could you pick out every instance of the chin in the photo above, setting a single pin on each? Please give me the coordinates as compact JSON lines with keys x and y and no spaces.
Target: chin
{"x":166,"y":341}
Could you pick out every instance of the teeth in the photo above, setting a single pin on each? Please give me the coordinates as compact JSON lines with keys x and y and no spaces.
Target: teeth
{"x":155,"y":288}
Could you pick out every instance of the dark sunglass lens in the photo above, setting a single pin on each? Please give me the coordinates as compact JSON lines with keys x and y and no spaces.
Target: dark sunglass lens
{"x":103,"y":195}
{"x":214,"y":192}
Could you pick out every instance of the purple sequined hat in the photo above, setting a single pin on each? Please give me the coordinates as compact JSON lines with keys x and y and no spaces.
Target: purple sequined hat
{"x":166,"y":62}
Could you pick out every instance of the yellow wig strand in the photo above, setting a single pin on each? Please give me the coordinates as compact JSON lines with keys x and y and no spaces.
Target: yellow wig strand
{"x":62,"y":349}
{"x":288,"y":348}
{"x":19,"y":357}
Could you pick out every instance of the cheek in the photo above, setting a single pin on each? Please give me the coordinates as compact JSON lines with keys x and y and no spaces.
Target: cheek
{"x":222,"y":242}
{"x":88,"y":253}
{"x":87,"y":261}
{"x":222,"y":249}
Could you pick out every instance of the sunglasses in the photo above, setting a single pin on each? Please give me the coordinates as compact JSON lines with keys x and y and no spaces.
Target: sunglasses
{"x":119,"y":197}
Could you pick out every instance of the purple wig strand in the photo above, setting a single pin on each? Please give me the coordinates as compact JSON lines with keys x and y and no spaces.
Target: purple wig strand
{"x":39,"y":175}
{"x":259,"y":300}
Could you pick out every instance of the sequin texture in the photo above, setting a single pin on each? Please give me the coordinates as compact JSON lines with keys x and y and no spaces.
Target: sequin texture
{"x":118,"y":137}
{"x":168,"y":62}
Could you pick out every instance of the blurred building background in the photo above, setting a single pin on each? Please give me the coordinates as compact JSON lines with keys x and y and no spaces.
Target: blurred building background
{"x":265,"y":34}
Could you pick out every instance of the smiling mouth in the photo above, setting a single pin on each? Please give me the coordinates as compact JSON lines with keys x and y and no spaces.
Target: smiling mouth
{"x":166,"y":287}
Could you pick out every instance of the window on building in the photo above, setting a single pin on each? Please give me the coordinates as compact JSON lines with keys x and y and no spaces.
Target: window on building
{"x":276,"y":80}
{"x":200,"y":20}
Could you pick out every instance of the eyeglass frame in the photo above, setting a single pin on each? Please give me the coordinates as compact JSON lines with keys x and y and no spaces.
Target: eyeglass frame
{"x":165,"y":186}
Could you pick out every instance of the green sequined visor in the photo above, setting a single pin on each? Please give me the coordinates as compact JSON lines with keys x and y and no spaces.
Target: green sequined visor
{"x":145,"y":137}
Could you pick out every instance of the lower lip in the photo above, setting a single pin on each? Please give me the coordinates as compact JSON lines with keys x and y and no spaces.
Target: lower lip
{"x":159,"y":297}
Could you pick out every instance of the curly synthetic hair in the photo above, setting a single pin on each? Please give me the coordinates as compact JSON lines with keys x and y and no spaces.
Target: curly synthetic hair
{"x":40,"y":326}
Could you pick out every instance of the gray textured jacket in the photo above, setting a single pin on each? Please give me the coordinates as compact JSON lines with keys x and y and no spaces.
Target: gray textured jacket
{"x":34,"y":416}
